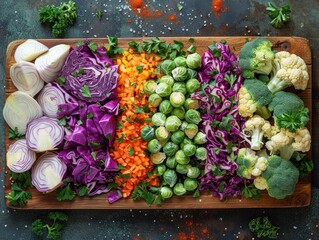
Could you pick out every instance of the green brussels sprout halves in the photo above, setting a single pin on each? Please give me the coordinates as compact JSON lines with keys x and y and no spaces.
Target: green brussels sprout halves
{"x":191,"y":104}
{"x":192,"y":85}
{"x":179,"y":112}
{"x":189,"y":149}
{"x":160,"y":169}
{"x":169,"y":80}
{"x":193,"y":172}
{"x":191,"y":130}
{"x":172,"y":123}
{"x":180,"y":74}
{"x":162,"y":134}
{"x":167,"y":66}
{"x":192,"y":116}
{"x":190,"y":184}
{"x":179,"y":189}
{"x":166,"y":192}
{"x":180,"y":61}
{"x":154,"y":146}
{"x":150,"y":87}
{"x":177,"y":99}
{"x":171,"y":162}
{"x":193,"y":60}
{"x":192,"y":73}
{"x":201,"y":153}
{"x":177,"y":137}
{"x":147,"y":133}
{"x":158,"y":158}
{"x":179,"y":87}
{"x":163,"y":89}
{"x":182,"y":168}
{"x":154,"y":100}
{"x":181,"y":158}
{"x":170,"y":149}
{"x":200,"y":138}
{"x":170,"y":177}
{"x":166,"y":107}
{"x":158,"y":119}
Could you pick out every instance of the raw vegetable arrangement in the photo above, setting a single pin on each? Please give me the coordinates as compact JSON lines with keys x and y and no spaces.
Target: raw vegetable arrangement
{"x":156,"y":120}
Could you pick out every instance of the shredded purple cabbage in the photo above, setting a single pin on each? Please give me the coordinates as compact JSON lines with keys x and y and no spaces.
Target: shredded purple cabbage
{"x":221,"y":79}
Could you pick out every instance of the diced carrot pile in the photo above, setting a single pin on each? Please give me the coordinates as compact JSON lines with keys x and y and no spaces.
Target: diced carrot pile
{"x":129,"y":149}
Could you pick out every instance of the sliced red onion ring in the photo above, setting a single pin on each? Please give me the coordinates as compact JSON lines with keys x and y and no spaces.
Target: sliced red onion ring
{"x":19,"y":157}
{"x":48,"y":172}
{"x":44,"y":134}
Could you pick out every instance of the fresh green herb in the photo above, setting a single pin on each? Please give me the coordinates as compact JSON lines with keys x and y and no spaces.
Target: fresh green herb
{"x":74,"y":74}
{"x":179,"y":6}
{"x":89,"y":115}
{"x":113,"y":48}
{"x":139,"y":68}
{"x":196,"y":193}
{"x":62,"y":121}
{"x":86,"y":91}
{"x":81,"y":71}
{"x":223,"y":41}
{"x":250,"y":191}
{"x":94,"y":154}
{"x":136,"y":46}
{"x":60,"y":18}
{"x":263,"y":228}
{"x":142,"y":109}
{"x":119,"y":125}
{"x":60,"y":80}
{"x":191,"y":40}
{"x":54,"y":230}
{"x":230,"y":79}
{"x":79,"y":122}
{"x":130,"y":151}
{"x":65,"y":193}
{"x":99,"y":14}
{"x":83,"y":191}
{"x":138,"y":120}
{"x":226,"y":123}
{"x":94,"y":144}
{"x":216,"y":52}
{"x":120,"y":167}
{"x":304,"y":165}
{"x":191,"y":49}
{"x":121,"y":139}
{"x":93,"y":46}
{"x":14,"y":134}
{"x":141,"y":192}
{"x":133,"y":84}
{"x":126,"y":176}
{"x":279,"y":15}
{"x":80,"y":43}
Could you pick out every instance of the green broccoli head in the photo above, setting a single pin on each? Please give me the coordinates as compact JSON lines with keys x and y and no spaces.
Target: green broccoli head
{"x":246,"y":160}
{"x":281,"y":177}
{"x":254,"y":96}
{"x":256,"y":57}
{"x":289,"y":111}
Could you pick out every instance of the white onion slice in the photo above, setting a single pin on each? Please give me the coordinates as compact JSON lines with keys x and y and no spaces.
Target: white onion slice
{"x":29,"y":50}
{"x":19,"y":110}
{"x":19,"y":157}
{"x":50,"y":63}
{"x":26,"y":78}
{"x":44,"y":134}
{"x":48,"y":172}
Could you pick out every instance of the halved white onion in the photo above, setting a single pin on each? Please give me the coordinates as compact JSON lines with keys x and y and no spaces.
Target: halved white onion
{"x":44,"y":134}
{"x":26,"y":78}
{"x":19,"y":157}
{"x":29,"y":50}
{"x":48,"y":172}
{"x":50,"y":63}
{"x":19,"y":110}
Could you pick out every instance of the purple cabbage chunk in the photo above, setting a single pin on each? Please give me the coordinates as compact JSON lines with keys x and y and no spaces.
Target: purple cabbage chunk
{"x":221,"y":79}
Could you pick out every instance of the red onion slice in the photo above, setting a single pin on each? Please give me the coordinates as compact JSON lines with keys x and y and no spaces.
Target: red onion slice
{"x":26,"y":78}
{"x":44,"y":134}
{"x":48,"y":172}
{"x":29,"y":50}
{"x":19,"y":157}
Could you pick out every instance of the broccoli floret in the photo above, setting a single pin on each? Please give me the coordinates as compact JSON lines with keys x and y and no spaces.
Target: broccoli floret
{"x":288,"y":70}
{"x":280,"y":178}
{"x":256,"y":57}
{"x":253,"y":97}
{"x":289,"y":111}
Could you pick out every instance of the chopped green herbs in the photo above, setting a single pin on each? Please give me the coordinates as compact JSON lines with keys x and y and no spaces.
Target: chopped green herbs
{"x":86,"y":91}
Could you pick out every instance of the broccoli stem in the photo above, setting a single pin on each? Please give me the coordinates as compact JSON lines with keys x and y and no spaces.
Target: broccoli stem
{"x":263,"y":112}
{"x":286,"y":152}
{"x":277,"y":84}
{"x":256,"y":139}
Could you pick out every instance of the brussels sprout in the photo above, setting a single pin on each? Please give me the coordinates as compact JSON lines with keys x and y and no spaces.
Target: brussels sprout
{"x":164,"y":141}
{"x":163,"y":89}
{"x":166,"y":192}
{"x":161,"y":133}
{"x":180,"y":74}
{"x":154,"y":100}
{"x":179,"y":189}
{"x":192,"y":73}
{"x":200,"y":138}
{"x":147,"y":133}
{"x":150,"y":87}
{"x":170,"y":149}
{"x":201,"y":153}
{"x":160,"y":169}
{"x":167,"y":67}
{"x":185,"y":141}
{"x":193,"y":60}
{"x":193,"y":172}
{"x":183,"y":126}
{"x":181,"y":158}
{"x":178,"y":136}
{"x":192,"y":116}
{"x":158,"y":119}
{"x":182,"y":168}
{"x":154,"y":146}
{"x":179,"y":87}
{"x":172,"y":123}
{"x":180,"y":61}
{"x":192,"y":85}
{"x":190,"y":184}
{"x":177,"y":99}
{"x":191,"y":130}
{"x":170,"y":177}
{"x":166,"y":107}
{"x":191,"y":104}
{"x":189,"y":149}
{"x":158,"y":158}
{"x":169,"y":80}
{"x":179,"y":112}
{"x":171,"y":162}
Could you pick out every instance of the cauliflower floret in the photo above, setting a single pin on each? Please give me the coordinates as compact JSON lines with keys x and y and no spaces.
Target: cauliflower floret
{"x":260,"y":183}
{"x":302,"y":140}
{"x":279,"y":140}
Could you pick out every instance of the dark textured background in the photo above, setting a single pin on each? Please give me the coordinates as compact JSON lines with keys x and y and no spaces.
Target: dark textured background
{"x":19,"y":20}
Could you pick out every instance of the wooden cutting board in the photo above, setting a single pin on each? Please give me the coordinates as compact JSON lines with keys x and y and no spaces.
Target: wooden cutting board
{"x":300,"y":198}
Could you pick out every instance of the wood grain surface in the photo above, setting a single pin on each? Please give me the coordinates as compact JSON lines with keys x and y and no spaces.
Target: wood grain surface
{"x":300,"y":198}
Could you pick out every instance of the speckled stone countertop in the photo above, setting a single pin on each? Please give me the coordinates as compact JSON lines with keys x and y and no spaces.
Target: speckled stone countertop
{"x":19,"y":20}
